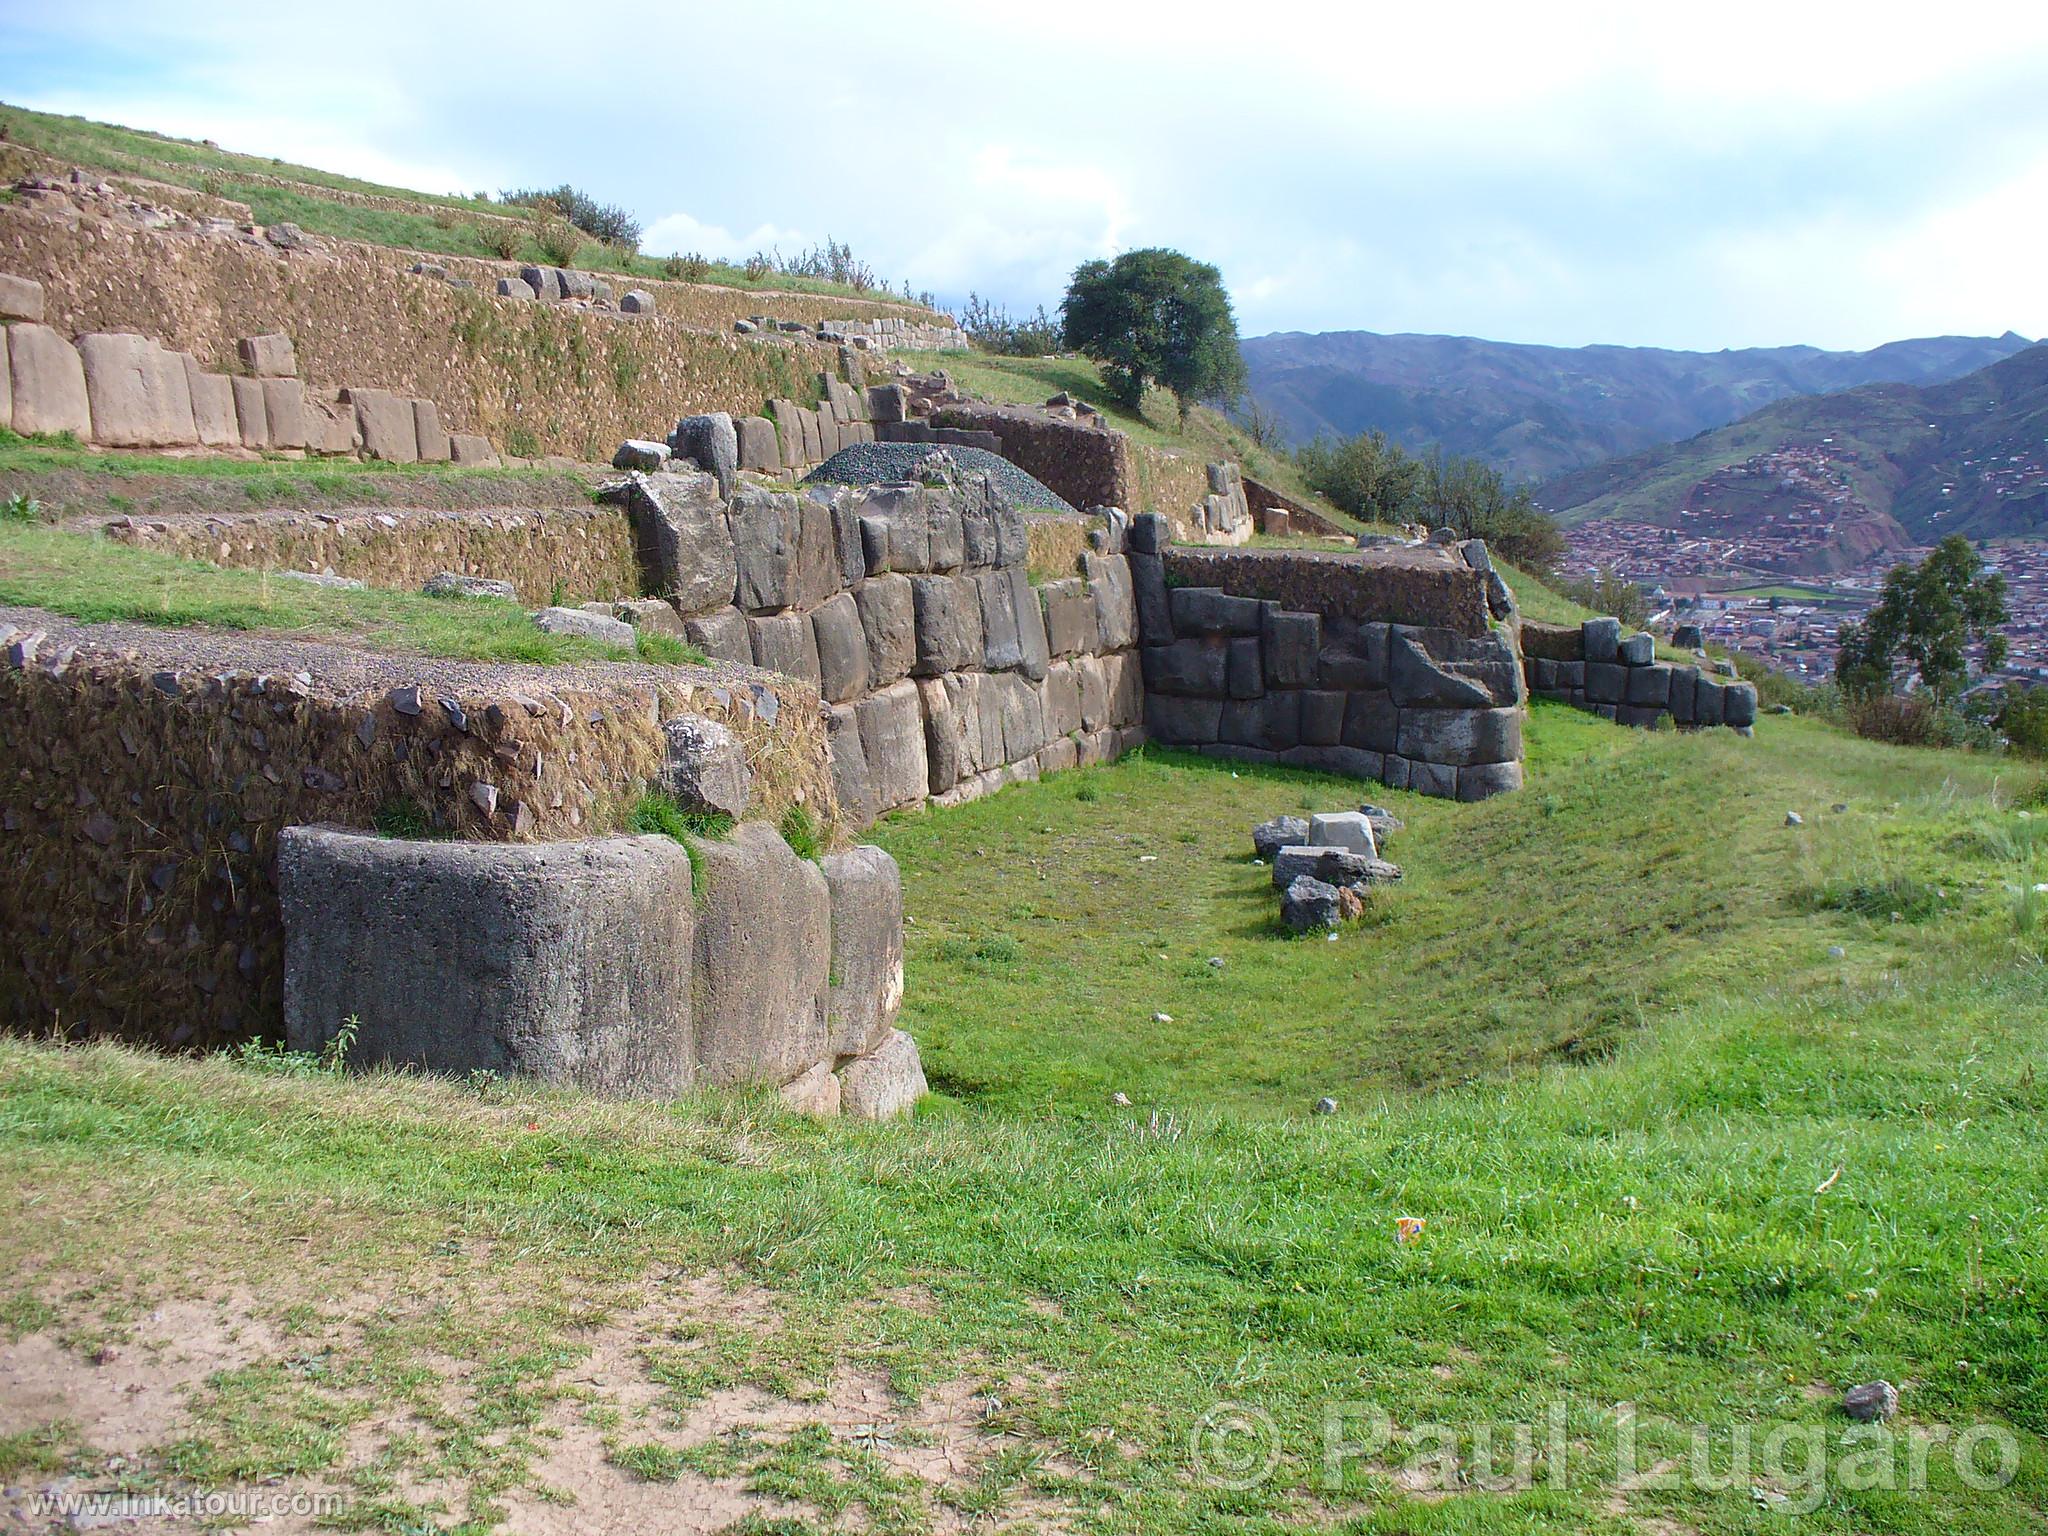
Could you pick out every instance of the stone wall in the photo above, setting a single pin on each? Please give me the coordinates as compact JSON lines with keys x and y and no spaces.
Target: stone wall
{"x":895,"y":333}
{"x":1279,"y":514}
{"x":1089,"y":466}
{"x":152,"y":772}
{"x":1379,"y":667}
{"x":1594,"y":667}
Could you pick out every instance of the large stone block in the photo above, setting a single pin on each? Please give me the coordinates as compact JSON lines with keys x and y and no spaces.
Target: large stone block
{"x":269,"y":357}
{"x":685,"y":542}
{"x":1292,"y":644}
{"x":1244,"y":675}
{"x":721,"y":635}
{"x":21,"y":298}
{"x":758,"y":446}
{"x":1322,"y":717}
{"x":1031,"y":638}
{"x":213,"y":405}
{"x":1600,"y":639}
{"x":472,"y":448}
{"x":1436,"y":779}
{"x":713,"y":442}
{"x":1649,"y":687}
{"x":1685,"y":683}
{"x":1149,"y":592}
{"x":252,"y":422}
{"x":1482,"y":781}
{"x":1606,"y":681}
{"x":1270,"y":723}
{"x":784,"y":549}
{"x":384,"y":422}
{"x":850,"y":785}
{"x":1738,"y":704}
{"x":138,"y":392}
{"x":885,"y":1083}
{"x":1637,"y":650}
{"x":1116,"y":611}
{"x":1061,"y":692}
{"x":705,"y":766}
{"x":1183,"y":721}
{"x":785,"y":643}
{"x":1126,"y":682}
{"x":844,"y":510}
{"x":1196,"y":668}
{"x":1354,"y":656}
{"x":948,"y":624}
{"x":763,"y":960}
{"x":1212,"y":611}
{"x":892,"y":740}
{"x":1440,"y":668}
{"x":1022,"y":708}
{"x":947,"y":751}
{"x":1002,"y":647}
{"x":1460,"y":737}
{"x":866,"y":989}
{"x":284,"y":410}
{"x":1372,"y":721}
{"x":945,"y":536}
{"x":331,"y":424}
{"x":435,"y":446}
{"x":1071,"y":626}
{"x":1354,"y":762}
{"x":1093,"y":681}
{"x":888,"y":621}
{"x":570,"y":962}
{"x":896,"y":530}
{"x":842,"y":648}
{"x":789,"y":430}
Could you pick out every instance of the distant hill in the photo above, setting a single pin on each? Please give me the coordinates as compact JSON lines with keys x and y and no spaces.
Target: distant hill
{"x":1885,"y":464}
{"x":1537,"y":412}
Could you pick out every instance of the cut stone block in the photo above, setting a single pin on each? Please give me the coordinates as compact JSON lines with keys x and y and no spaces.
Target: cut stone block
{"x":435,"y":446}
{"x":892,"y":742}
{"x":763,"y":960}
{"x":385,"y":423}
{"x":888,"y":619}
{"x":284,"y":412}
{"x":785,"y":643}
{"x":705,"y":766}
{"x":866,"y":988}
{"x":269,"y":357}
{"x":842,"y":648}
{"x":1344,"y":829}
{"x":138,"y":392}
{"x":213,"y":406}
{"x":569,"y":962}
{"x":885,"y":1083}
{"x":686,"y":545}
{"x":21,"y":298}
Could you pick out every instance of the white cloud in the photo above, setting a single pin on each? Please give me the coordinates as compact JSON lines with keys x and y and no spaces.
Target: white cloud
{"x":680,"y":234}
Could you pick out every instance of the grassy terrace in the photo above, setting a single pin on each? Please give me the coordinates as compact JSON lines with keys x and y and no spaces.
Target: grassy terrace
{"x":441,"y":224}
{"x":1670,"y":1150}
{"x":97,"y":581}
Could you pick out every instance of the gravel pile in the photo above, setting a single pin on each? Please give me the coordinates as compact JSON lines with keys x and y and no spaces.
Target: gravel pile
{"x":882,"y":463}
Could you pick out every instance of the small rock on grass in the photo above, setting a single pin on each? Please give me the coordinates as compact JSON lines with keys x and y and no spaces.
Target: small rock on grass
{"x":1326,"y":1105}
{"x":1794,"y":819}
{"x":1870,"y":1402}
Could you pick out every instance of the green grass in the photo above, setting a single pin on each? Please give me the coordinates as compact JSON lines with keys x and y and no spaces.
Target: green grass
{"x":270,"y":474}
{"x":1668,"y":1149}
{"x":95,"y":580}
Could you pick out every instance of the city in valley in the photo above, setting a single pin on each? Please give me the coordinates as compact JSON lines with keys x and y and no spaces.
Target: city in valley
{"x":1777,"y":575}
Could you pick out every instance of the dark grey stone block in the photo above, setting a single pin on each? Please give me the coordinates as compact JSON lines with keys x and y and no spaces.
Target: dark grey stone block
{"x":1606,"y":681}
{"x":1372,"y":721}
{"x":948,"y":624}
{"x":1293,"y":643}
{"x":843,"y":671}
{"x":763,"y":959}
{"x":1244,"y":675}
{"x":1649,"y":687}
{"x":1196,"y":668}
{"x":1460,"y":737}
{"x":1183,"y":721}
{"x":1322,"y":717}
{"x":1212,"y":611}
{"x":1601,"y":638}
{"x":1637,"y":650}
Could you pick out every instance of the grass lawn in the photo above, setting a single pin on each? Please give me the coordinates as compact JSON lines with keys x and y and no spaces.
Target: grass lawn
{"x":96,"y":581}
{"x":1678,"y":1165}
{"x":268,"y":473}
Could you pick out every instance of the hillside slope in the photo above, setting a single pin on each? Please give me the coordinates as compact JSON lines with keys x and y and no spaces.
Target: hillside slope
{"x":1910,"y":464}
{"x":1536,"y":412}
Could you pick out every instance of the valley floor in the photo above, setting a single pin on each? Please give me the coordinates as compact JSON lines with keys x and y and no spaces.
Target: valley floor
{"x":1705,"y":1118}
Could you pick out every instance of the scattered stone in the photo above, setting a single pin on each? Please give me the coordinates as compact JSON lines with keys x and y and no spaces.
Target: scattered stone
{"x":1120,"y":1100}
{"x":1162,"y":1018}
{"x":406,"y":700}
{"x":1326,"y":1105}
{"x":324,"y":579}
{"x":1309,"y":903}
{"x":636,"y":301}
{"x":1794,"y":819}
{"x":1870,"y":1402}
{"x":1215,"y":962}
{"x":706,"y":766}
{"x":456,"y":584}
{"x":1836,"y":952}
{"x":1269,"y":837}
{"x":1838,"y":809}
{"x":1343,"y":829}
{"x":485,"y":796}
{"x":885,"y":1083}
{"x":713,"y":442}
{"x":639,"y":453}
{"x":587,"y":626}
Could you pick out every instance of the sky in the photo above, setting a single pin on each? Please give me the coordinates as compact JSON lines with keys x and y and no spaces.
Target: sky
{"x":1683,"y":176}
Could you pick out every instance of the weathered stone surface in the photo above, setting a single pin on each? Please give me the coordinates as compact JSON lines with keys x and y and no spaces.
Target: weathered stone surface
{"x":1309,"y":904}
{"x":1871,"y":1402}
{"x":284,"y":409}
{"x":686,"y":544}
{"x":892,"y":742}
{"x":789,"y":431}
{"x":1436,"y":779}
{"x":758,"y":447}
{"x":1738,"y":704}
{"x":814,"y":443}
{"x":1182,"y":720}
{"x":1071,"y":626}
{"x":1637,"y":650}
{"x":813,"y":1092}
{"x":1441,"y":668}
{"x":1601,"y":638}
{"x":849,"y":765}
{"x":945,"y":536}
{"x":1372,"y":721}
{"x":1125,"y":679}
{"x":1291,"y":644}
{"x":1092,"y":679}
{"x":1021,"y":707}
{"x":652,"y":614}
{"x":457,"y":584}
{"x":1244,"y":676}
{"x":705,"y":766}
{"x":946,"y":745}
{"x":636,"y":301}
{"x":1149,"y":594}
{"x":763,"y":960}
{"x":785,"y":643}
{"x":948,"y":624}
{"x":1460,"y":737}
{"x":384,"y":421}
{"x":1212,"y":611}
{"x":584,"y":625}
{"x":435,"y":445}
{"x":516,"y":288}
{"x":712,"y":441}
{"x":1344,"y":829}
{"x":1058,"y":755}
{"x":884,"y":1083}
{"x":1116,"y":611}
{"x":1322,"y":717}
{"x":1710,"y":702}
{"x":331,"y":424}
{"x":842,"y":648}
{"x":21,"y":298}
{"x":1061,"y":693}
{"x":1002,"y":647}
{"x":1268,"y":722}
{"x":269,"y":357}
{"x":1031,"y":636}
{"x":569,"y":962}
{"x":1606,"y":681}
{"x":784,"y":548}
{"x":546,"y":282}
{"x":721,"y":635}
{"x":138,"y":393}
{"x":1192,"y":667}
{"x":1482,"y":781}
{"x":640,"y":453}
{"x":888,"y":621}
{"x":1269,"y":837}
{"x":866,"y":988}
{"x":1685,"y":683}
{"x":252,"y":422}
{"x":1649,"y":687}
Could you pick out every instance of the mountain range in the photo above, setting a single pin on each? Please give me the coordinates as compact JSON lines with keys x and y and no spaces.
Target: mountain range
{"x":1864,"y":469}
{"x":1537,"y":412}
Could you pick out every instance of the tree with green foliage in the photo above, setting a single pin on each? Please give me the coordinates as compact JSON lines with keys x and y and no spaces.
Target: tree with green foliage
{"x":1370,"y":476}
{"x":2023,"y":719}
{"x":1156,"y":317}
{"x":1928,"y":615}
{"x":1374,"y":478}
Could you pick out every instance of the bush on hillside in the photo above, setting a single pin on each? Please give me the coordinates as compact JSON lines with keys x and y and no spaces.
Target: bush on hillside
{"x":500,"y":237}
{"x":1374,"y":478}
{"x":1370,"y":476}
{"x":558,"y":240}
{"x":2023,"y":719}
{"x":994,"y":329}
{"x":692,"y":268}
{"x":601,"y":221}
{"x":1927,"y":617}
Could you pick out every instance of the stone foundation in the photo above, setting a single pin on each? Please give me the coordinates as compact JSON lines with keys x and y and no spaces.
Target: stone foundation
{"x":1594,"y":667}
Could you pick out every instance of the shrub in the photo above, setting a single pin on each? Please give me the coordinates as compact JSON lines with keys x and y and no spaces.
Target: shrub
{"x":758,"y":266}
{"x":1607,"y":592}
{"x":559,"y":241}
{"x":2023,"y":719}
{"x":650,"y":645}
{"x":693,"y":268}
{"x":1914,"y":720}
{"x":802,"y":833}
{"x":21,"y":508}
{"x":501,"y":237}
{"x":601,"y":221}
{"x":995,"y":330}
